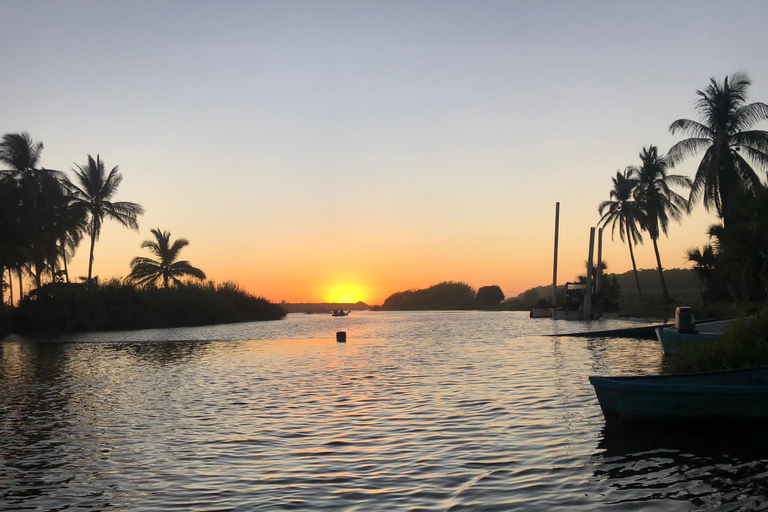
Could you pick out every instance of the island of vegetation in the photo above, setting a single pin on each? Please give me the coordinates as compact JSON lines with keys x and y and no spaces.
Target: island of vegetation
{"x":43,"y":219}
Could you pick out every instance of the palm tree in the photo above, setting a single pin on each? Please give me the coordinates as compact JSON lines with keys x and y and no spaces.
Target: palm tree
{"x":725,"y":137}
{"x":623,"y":211}
{"x":145,"y":271}
{"x":95,"y":191}
{"x":657,"y":201}
{"x":20,"y":152}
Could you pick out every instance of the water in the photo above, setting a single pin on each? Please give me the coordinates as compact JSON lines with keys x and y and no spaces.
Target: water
{"x":431,"y":411}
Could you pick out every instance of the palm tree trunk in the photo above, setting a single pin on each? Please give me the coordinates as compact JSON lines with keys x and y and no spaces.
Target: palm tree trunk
{"x":634,"y":265}
{"x":90,"y":258}
{"x":10,"y":287}
{"x":21,"y":284}
{"x":2,"y":288}
{"x":64,"y":259}
{"x":661,"y":270}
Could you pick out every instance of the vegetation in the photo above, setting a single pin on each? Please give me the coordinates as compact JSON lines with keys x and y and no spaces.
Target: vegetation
{"x":94,"y":196}
{"x":146,"y":271}
{"x":658,"y":202}
{"x":624,"y":211}
{"x":43,"y":215}
{"x":489,"y":296}
{"x":43,"y":219}
{"x":744,"y":344}
{"x":447,"y":295}
{"x":724,"y":176}
{"x":63,"y":307}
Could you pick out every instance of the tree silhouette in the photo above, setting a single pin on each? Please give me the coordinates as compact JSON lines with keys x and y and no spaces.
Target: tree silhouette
{"x":657,"y":201}
{"x":724,"y":135}
{"x":95,"y":193}
{"x":622,"y":210}
{"x":146,"y":271}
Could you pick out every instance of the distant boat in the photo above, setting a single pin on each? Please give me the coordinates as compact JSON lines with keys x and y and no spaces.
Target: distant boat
{"x":674,"y":341}
{"x":340,"y":313}
{"x":729,"y":395}
{"x":541,"y":313}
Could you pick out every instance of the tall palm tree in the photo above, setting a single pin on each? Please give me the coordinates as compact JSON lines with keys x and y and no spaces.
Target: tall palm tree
{"x":725,"y":136}
{"x":145,"y":271}
{"x":657,"y":201}
{"x":20,"y":154}
{"x":95,"y":192}
{"x":622,"y":210}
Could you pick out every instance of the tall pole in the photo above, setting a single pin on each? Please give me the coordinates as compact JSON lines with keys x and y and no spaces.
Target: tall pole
{"x":587,"y":303}
{"x":554,"y":271}
{"x":599,"y":276}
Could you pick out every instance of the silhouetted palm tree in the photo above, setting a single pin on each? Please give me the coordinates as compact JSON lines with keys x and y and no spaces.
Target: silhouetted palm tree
{"x":145,"y":271}
{"x":622,"y":210}
{"x":19,"y":152}
{"x":95,"y":192}
{"x":657,"y":201}
{"x":724,"y":135}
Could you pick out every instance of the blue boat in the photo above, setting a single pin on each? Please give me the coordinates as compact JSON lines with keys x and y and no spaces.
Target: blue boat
{"x":726,"y":396}
{"x":674,"y":341}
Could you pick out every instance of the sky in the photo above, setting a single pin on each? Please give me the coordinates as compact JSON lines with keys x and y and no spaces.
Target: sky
{"x":346,"y":150}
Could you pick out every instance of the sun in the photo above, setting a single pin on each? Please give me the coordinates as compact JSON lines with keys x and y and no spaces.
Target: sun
{"x":345,"y":293}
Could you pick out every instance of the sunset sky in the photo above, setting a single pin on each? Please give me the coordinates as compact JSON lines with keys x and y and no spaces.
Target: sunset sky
{"x":329,"y":150}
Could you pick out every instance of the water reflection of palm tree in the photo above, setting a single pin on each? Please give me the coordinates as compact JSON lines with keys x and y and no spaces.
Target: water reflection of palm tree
{"x":95,"y":192}
{"x":724,"y":136}
{"x":622,"y":210}
{"x":657,"y":201}
{"x":145,"y":271}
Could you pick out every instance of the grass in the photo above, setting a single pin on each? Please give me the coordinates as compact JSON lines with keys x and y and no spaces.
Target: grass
{"x":744,"y":344}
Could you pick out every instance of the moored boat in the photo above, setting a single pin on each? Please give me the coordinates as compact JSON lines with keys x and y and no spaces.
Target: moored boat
{"x":726,"y":396}
{"x":674,"y":340}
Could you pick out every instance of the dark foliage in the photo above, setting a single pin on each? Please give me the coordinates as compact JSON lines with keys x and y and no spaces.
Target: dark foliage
{"x":444,"y":296}
{"x":734,"y":266}
{"x":489,"y":296}
{"x":62,"y":307}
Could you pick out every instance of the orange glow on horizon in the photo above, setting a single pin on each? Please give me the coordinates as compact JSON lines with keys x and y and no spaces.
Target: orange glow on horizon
{"x":347,"y":293}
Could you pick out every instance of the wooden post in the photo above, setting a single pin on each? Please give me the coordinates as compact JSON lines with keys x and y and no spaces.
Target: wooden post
{"x":587,"y":303}
{"x":554,"y":271}
{"x":599,"y":276}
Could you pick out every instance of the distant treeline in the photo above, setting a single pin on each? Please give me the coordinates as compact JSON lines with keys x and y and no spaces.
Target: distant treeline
{"x":448,"y":295}
{"x":323,"y":307}
{"x":682,"y":283}
{"x":69,"y":307}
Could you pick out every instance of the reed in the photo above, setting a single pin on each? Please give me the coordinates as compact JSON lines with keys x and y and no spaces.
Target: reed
{"x":114,"y":305}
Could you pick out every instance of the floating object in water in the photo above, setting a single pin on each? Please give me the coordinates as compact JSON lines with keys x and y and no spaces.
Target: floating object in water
{"x":341,"y":337}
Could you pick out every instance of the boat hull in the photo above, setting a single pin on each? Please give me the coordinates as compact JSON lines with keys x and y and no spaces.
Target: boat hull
{"x":723,"y":396}
{"x":674,"y":342}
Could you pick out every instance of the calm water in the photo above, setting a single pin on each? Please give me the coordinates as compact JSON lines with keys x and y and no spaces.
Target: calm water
{"x":418,"y":411}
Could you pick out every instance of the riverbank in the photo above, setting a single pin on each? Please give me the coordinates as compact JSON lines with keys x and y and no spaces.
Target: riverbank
{"x":67,"y":308}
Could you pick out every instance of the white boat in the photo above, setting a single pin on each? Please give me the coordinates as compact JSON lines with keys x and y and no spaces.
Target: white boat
{"x":674,"y":341}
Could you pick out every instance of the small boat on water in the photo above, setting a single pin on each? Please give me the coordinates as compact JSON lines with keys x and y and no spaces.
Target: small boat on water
{"x":726,"y":396}
{"x":339,"y":312}
{"x":674,"y":340}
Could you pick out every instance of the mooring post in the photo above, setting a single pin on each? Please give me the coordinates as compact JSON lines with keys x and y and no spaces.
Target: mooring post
{"x":599,"y":276}
{"x":587,"y":303}
{"x":554,"y":271}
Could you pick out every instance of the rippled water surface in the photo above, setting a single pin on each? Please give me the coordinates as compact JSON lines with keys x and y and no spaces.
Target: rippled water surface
{"x":418,"y":411}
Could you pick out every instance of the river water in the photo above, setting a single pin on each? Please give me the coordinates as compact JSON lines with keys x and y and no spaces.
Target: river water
{"x":428,"y":411}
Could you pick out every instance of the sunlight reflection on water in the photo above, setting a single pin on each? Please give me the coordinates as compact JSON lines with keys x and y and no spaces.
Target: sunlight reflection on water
{"x":418,"y":411}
